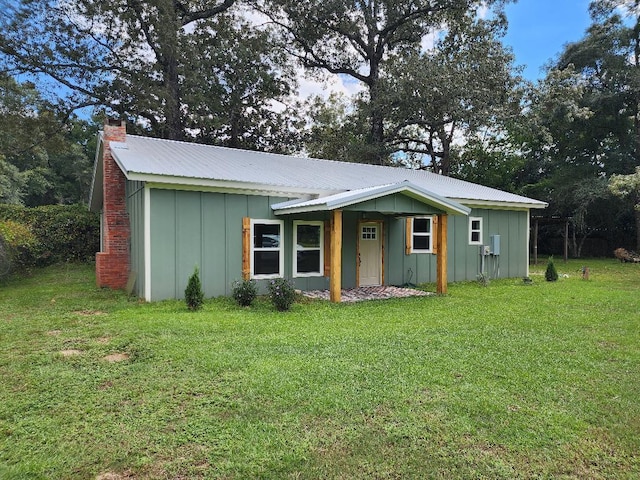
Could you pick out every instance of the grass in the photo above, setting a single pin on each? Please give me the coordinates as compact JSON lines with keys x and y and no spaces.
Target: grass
{"x":504,"y":381}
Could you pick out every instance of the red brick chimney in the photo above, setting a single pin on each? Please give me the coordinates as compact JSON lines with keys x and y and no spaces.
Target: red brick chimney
{"x":112,"y":263}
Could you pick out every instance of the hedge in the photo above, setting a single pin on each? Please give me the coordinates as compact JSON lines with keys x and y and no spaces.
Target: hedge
{"x":56,"y":233}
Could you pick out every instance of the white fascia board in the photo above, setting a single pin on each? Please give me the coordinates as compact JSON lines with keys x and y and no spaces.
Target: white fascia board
{"x":497,"y":205}
{"x":303,"y":209}
{"x":147,"y":243}
{"x":96,"y":194}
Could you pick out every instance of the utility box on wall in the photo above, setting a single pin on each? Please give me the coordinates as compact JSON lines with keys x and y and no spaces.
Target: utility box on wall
{"x":494,"y":244}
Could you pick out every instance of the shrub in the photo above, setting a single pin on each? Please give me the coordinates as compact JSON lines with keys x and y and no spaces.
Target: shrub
{"x":244,"y":292}
{"x":282,"y":293}
{"x":193,"y":294}
{"x":551,"y":273}
{"x":16,"y":244}
{"x":61,"y":233}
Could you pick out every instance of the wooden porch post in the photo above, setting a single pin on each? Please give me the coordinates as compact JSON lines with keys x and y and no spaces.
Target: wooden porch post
{"x":246,"y":248}
{"x":335,"y":280}
{"x":441,"y":256}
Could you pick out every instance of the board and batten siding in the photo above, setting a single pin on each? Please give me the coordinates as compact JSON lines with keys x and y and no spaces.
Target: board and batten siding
{"x":189,"y":228}
{"x":464,"y":261}
{"x":134,"y":192}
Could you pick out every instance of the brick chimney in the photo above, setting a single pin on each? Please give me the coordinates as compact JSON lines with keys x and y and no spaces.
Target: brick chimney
{"x":112,"y":263}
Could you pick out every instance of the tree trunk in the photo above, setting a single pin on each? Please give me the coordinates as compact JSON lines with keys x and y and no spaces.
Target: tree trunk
{"x":174,"y":126}
{"x":637,"y":215}
{"x":171,"y":81}
{"x":445,"y":158}
{"x":376,"y":120}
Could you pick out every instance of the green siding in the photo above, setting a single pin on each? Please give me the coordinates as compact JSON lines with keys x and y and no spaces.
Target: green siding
{"x":397,"y":203}
{"x":349,"y":248}
{"x":190,"y":228}
{"x":464,"y":261}
{"x":163,"y":244}
{"x":135,"y":208}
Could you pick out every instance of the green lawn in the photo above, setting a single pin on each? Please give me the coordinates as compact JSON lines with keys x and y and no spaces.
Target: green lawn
{"x":504,"y":381}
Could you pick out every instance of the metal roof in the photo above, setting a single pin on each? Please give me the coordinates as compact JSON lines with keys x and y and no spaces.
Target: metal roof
{"x":168,"y":161}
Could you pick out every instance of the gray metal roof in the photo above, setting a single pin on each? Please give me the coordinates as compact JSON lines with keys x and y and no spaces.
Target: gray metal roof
{"x":150,"y":159}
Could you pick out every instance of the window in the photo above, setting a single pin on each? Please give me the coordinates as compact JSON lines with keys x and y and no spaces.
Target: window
{"x":308,"y":256}
{"x":421,"y":235}
{"x":369,"y":232}
{"x":267,"y":259}
{"x":475,"y":231}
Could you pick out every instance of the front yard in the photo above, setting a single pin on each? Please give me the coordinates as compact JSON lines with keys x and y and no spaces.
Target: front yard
{"x":504,"y":381}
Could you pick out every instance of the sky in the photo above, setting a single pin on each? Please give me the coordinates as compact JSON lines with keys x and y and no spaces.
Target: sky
{"x":538,"y":30}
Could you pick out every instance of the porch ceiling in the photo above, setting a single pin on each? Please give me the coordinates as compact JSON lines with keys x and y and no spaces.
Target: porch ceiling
{"x":354,"y":197}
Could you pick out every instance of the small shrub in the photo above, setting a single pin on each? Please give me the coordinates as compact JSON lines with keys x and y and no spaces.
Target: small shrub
{"x":282,"y":293}
{"x":551,"y":274}
{"x":244,"y":292}
{"x":193,"y":295}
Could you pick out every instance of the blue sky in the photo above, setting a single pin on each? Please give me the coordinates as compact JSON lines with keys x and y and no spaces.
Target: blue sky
{"x":538,"y":30}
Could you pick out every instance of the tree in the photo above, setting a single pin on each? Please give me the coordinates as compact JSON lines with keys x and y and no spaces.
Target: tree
{"x":628,"y":186}
{"x":357,"y":38}
{"x":607,"y":60}
{"x":245,"y":75}
{"x":125,"y":55}
{"x":617,"y":27}
{"x":11,"y":183}
{"x":461,"y":87}
{"x":166,"y":65}
{"x":336,"y":130}
{"x":43,"y":159}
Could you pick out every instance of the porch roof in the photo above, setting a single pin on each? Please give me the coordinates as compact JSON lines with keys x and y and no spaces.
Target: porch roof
{"x":354,"y":197}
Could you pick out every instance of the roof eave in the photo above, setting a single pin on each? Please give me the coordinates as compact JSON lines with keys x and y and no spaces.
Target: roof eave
{"x":96,"y":192}
{"x":502,"y":205}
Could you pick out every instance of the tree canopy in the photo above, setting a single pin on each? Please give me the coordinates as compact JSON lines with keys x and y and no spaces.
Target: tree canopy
{"x":437,"y":89}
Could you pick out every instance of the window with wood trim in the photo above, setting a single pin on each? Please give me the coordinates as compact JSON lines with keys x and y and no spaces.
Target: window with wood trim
{"x":420,"y":235}
{"x":475,"y":230}
{"x":308,"y":254}
{"x":267,"y":248}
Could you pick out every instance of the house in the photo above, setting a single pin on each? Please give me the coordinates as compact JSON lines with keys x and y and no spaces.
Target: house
{"x":168,"y":206}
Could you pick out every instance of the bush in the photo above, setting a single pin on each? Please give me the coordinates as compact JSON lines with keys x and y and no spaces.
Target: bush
{"x":61,"y":233}
{"x":16,"y":240}
{"x":282,"y":294}
{"x":193,"y":294}
{"x":551,"y":274}
{"x":244,"y":292}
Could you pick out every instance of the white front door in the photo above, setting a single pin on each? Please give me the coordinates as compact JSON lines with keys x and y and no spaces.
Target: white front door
{"x":370,"y":254}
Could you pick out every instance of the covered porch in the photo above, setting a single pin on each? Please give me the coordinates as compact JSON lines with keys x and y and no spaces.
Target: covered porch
{"x":374,"y":209}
